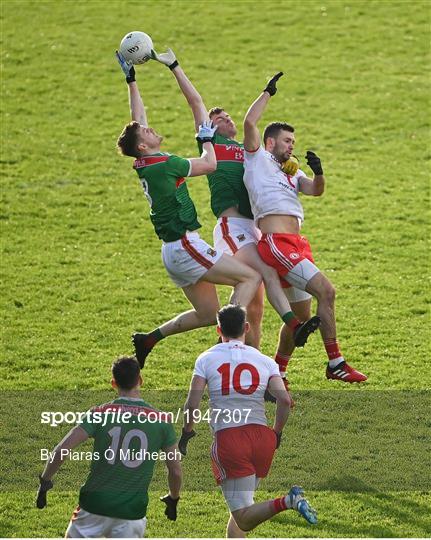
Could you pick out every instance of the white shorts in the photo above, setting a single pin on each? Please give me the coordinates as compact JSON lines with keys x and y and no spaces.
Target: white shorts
{"x":86,"y":525}
{"x":188,"y":259}
{"x":231,"y":234}
{"x":239,"y":492}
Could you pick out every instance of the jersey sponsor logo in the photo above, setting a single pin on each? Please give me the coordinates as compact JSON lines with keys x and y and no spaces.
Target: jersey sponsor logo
{"x":291,"y":187}
{"x":229,"y":152}
{"x":149,"y":160}
{"x":289,"y":177}
{"x":212,"y":252}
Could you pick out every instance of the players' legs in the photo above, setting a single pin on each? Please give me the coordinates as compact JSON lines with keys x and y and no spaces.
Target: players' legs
{"x":254,"y":318}
{"x":229,"y":271}
{"x":323,"y":290}
{"x":275,"y":294}
{"x":203,"y":297}
{"x":246,"y":515}
{"x":306,"y":276}
{"x":286,"y":345}
{"x":232,"y":529}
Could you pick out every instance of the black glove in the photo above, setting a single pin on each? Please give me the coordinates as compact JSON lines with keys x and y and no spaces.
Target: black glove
{"x":314,"y":163}
{"x":271,"y":86}
{"x":278,"y":435}
{"x":41,"y":492}
{"x":171,"y":507}
{"x":184,"y":439}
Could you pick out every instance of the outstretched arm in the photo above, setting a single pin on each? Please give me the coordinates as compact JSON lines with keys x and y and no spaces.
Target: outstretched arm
{"x":192,"y":96}
{"x":137,"y":109}
{"x":251,"y":132}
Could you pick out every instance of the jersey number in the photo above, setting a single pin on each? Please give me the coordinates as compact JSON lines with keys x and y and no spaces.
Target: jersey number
{"x":144,"y":185}
{"x":125,"y":452}
{"x":224,"y":371}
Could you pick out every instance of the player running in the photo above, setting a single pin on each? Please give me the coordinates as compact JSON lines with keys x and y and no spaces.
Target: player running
{"x":243,"y":447}
{"x":235,"y":233}
{"x":127,"y":433}
{"x":279,"y":214}
{"x":191,"y":263}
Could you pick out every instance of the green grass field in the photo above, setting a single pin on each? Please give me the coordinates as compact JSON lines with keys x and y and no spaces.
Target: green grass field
{"x":81,"y":266}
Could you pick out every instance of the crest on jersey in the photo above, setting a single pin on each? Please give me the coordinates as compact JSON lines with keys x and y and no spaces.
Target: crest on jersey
{"x":294,"y":256}
{"x":241,"y":237}
{"x":212,"y":252}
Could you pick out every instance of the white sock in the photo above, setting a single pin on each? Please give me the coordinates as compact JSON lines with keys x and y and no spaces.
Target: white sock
{"x":334,"y":363}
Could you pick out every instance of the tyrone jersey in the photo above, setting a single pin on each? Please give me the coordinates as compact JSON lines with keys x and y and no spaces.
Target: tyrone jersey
{"x":163,"y":179}
{"x":237,"y":376}
{"x":271,"y":190}
{"x":226,"y":182}
{"x":122,"y":468}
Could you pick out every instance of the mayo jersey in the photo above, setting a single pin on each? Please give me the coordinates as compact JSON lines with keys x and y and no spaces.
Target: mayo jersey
{"x":271,"y":191}
{"x":226,"y":182}
{"x":124,"y":456}
{"x":237,"y":376}
{"x":163,"y":179}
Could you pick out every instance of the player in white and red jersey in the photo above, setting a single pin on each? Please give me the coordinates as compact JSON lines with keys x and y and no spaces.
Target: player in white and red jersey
{"x":237,"y":376}
{"x":279,"y":215}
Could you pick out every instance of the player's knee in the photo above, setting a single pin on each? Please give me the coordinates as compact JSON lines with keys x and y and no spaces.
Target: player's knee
{"x":329,"y":292}
{"x":241,"y":519}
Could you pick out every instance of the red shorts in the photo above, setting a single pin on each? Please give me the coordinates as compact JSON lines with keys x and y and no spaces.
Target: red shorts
{"x":283,"y":252}
{"x":242,"y":451}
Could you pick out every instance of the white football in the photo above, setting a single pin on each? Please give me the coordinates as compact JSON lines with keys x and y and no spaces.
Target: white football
{"x":136,"y":47}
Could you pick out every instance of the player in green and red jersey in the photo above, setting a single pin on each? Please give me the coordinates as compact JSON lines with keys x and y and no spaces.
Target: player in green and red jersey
{"x":191,"y":263}
{"x":128,"y":435}
{"x":235,"y":232}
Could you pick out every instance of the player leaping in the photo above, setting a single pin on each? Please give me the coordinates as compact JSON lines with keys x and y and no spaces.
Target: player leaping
{"x":279,"y":213}
{"x":235,"y":232}
{"x":190,"y":262}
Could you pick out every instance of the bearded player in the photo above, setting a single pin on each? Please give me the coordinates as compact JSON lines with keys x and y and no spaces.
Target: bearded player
{"x":235,"y":233}
{"x":243,"y":448}
{"x":274,"y":197}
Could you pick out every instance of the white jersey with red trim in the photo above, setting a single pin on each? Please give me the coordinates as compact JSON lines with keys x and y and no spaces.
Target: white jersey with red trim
{"x":271,"y":191}
{"x":237,"y":376}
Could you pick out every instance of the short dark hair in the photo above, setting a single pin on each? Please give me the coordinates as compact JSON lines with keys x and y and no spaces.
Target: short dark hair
{"x":125,"y":371}
{"x":232,"y":319}
{"x":274,"y":128}
{"x":215,"y":110}
{"x":127,"y":142}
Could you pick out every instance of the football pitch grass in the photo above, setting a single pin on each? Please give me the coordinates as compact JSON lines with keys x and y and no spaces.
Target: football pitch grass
{"x":81,"y":266}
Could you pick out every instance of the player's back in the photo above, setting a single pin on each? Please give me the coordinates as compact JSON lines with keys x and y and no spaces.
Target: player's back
{"x":237,"y":376}
{"x":128,"y":433}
